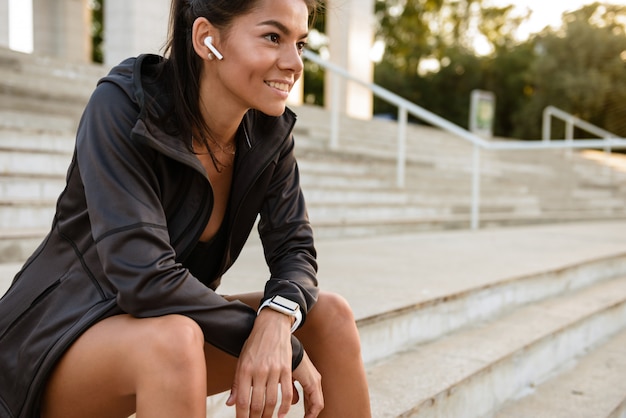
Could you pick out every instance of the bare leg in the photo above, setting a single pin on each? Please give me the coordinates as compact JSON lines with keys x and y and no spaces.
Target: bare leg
{"x":154,"y":366}
{"x":331,"y":340}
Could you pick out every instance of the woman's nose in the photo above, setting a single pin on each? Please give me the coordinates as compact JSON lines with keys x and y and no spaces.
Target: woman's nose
{"x":291,"y":59}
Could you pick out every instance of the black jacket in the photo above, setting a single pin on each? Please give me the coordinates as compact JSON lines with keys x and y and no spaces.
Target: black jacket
{"x":135,"y":204}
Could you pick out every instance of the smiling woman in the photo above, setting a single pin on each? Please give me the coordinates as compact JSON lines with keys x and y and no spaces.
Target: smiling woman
{"x":176,"y":157}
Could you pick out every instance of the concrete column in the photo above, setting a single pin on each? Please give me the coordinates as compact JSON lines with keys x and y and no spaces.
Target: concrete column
{"x":62,"y":29}
{"x":133,"y":27}
{"x":4,"y":23}
{"x":350,"y":27}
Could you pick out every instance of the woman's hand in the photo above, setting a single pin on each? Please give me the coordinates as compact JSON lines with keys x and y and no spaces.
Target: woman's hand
{"x":311,"y":382}
{"x":264,"y":363}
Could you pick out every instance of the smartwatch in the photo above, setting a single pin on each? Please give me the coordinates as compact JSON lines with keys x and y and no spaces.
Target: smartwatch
{"x":284,"y":306}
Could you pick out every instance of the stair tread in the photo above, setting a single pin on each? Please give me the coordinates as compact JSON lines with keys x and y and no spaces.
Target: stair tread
{"x":593,"y":387}
{"x":462,"y":355}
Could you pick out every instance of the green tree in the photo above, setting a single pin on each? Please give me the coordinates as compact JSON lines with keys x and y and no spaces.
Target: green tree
{"x":581,"y":69}
{"x":507,"y":75}
{"x":442,"y":33}
{"x":313,"y":78}
{"x":97,"y":30}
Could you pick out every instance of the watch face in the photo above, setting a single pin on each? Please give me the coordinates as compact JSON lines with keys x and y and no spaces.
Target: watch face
{"x":285,"y":303}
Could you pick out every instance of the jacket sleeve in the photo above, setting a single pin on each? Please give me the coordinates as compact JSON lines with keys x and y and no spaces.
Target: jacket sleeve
{"x":287,"y":236}
{"x":129,"y":227}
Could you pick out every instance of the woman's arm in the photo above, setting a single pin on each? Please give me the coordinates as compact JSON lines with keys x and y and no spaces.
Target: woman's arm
{"x":287,"y":236}
{"x":288,"y":243}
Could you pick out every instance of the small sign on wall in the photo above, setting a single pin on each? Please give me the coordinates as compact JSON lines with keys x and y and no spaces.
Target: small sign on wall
{"x":482,"y":113}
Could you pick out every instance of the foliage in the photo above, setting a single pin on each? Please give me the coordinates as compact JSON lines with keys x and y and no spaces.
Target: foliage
{"x":507,"y":75}
{"x":313,"y":78}
{"x":97,"y":30}
{"x":430,"y":43}
{"x":580,"y":68}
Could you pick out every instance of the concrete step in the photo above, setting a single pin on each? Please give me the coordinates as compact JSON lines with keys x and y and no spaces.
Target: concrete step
{"x":33,"y":189}
{"x":41,"y":84}
{"x":36,"y":140}
{"x":17,"y":162}
{"x":593,"y":386}
{"x":16,"y":245}
{"x":43,"y":66}
{"x":475,"y":371}
{"x":331,"y":228}
{"x":21,"y":214}
{"x":387,"y":332}
{"x":14,"y":123}
{"x":419,"y":291}
{"x":385,"y":196}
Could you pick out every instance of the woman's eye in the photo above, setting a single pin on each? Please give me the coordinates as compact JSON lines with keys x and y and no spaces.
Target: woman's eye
{"x":272,"y":37}
{"x":301,"y":46}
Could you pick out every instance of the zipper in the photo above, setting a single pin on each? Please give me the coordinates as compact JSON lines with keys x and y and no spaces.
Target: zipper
{"x":262,"y":168}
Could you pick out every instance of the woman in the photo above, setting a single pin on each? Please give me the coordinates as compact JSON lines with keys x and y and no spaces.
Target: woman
{"x":116,"y":311}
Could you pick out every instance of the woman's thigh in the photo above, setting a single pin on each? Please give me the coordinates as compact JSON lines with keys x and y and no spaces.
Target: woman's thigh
{"x":101,"y":372}
{"x":97,"y":375}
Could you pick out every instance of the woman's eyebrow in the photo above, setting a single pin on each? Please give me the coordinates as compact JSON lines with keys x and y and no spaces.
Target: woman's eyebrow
{"x":284,"y":29}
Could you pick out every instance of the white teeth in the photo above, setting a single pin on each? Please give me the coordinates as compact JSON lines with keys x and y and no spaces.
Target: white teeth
{"x":279,"y":86}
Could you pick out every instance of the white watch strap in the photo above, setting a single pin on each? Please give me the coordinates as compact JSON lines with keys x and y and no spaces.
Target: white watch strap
{"x":297,"y":314}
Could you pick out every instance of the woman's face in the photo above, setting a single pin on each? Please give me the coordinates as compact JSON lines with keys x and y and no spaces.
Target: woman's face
{"x":262,"y":55}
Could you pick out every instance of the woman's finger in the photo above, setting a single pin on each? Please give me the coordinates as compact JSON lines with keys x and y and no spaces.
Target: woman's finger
{"x":271,"y":398}
{"x":287,"y":391}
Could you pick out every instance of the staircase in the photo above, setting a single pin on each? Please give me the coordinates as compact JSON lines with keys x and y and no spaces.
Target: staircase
{"x":541,"y":337}
{"x":511,"y":347}
{"x":475,"y":324}
{"x":517,"y":187}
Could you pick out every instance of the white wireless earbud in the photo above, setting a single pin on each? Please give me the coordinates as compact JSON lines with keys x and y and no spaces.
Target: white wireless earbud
{"x":208,"y":41}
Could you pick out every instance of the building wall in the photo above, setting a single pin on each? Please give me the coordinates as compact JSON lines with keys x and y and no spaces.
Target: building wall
{"x":62,"y":29}
{"x":4,"y":23}
{"x":134,"y":27}
{"x":350,"y":28}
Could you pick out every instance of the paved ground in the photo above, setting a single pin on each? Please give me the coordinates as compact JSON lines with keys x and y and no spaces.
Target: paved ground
{"x":382,"y":273}
{"x":378,"y":274}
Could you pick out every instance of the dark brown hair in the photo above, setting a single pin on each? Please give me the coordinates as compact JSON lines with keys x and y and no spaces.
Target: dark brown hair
{"x":182,"y":68}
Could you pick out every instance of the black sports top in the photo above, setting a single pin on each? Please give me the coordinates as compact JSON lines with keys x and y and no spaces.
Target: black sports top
{"x":205,"y":259}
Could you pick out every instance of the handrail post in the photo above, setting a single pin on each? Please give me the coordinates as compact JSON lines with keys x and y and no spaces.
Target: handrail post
{"x":547,"y":124}
{"x":475,"y":221}
{"x":569,"y":129}
{"x":334,"y":111}
{"x":607,"y":160}
{"x":401,"y":160}
{"x":569,"y":133}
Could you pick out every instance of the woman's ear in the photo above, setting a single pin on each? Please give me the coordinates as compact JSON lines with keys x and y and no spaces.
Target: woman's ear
{"x":203,"y":37}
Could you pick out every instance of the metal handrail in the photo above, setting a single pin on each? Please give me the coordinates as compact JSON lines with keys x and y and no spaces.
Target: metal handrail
{"x":571,"y":121}
{"x":405,"y":107}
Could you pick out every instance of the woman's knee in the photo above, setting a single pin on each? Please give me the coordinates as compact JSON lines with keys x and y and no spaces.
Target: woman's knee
{"x":332,"y":317}
{"x":174,"y":342}
{"x":333,"y":306}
